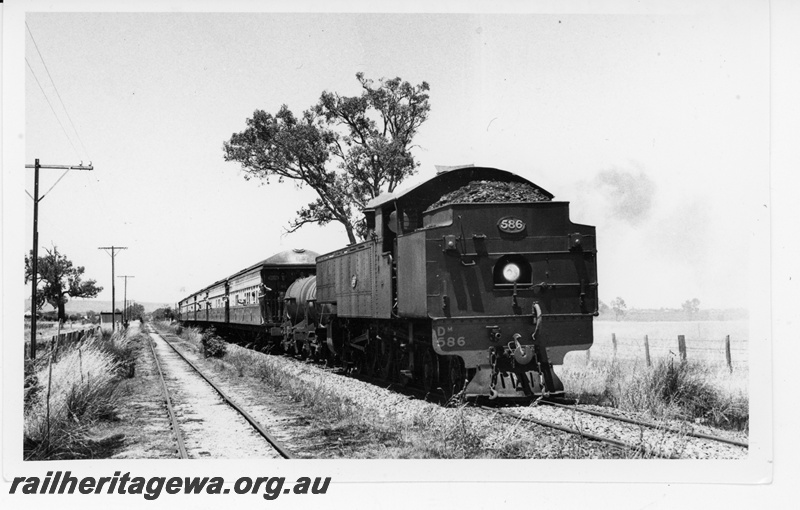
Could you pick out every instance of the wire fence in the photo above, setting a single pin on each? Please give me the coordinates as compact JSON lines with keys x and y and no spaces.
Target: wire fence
{"x":65,"y":336}
{"x":728,"y":350}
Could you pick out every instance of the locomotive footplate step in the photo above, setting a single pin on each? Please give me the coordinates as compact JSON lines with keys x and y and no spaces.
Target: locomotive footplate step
{"x":506,"y":385}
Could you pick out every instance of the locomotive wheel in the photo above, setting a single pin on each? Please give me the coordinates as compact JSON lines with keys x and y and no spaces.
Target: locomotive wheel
{"x":371,"y":358}
{"x":388,"y":368}
{"x":430,"y":370}
{"x":359,"y":365}
{"x":330,"y":358}
{"x":319,"y":353}
{"x":299,"y":349}
{"x":455,"y":376}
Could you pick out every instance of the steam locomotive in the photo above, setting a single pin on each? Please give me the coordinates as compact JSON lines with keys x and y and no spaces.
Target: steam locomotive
{"x":457,"y":288}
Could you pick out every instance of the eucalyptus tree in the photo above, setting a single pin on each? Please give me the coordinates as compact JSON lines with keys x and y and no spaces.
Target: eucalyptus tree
{"x":348,"y":149}
{"x":59,"y":280}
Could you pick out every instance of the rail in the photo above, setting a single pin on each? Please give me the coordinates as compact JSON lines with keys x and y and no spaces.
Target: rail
{"x":170,"y":409}
{"x":650,"y":425}
{"x":257,"y":426}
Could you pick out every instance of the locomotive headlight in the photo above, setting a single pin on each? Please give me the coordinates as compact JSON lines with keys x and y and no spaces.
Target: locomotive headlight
{"x":511,"y":272}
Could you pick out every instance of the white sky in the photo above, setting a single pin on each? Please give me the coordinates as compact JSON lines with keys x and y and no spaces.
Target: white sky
{"x":654,"y":126}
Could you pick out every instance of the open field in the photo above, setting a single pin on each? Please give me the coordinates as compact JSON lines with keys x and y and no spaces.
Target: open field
{"x":705,"y":341}
{"x":45,"y":330}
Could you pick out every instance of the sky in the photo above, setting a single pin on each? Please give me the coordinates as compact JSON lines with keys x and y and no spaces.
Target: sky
{"x":653,"y":124}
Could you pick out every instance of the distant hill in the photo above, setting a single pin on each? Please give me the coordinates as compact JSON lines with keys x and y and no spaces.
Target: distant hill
{"x":84,"y":305}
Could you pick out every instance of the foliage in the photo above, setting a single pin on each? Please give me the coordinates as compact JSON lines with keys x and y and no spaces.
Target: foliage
{"x":119,"y":345}
{"x":49,"y":316}
{"x":164,"y":314}
{"x":691,"y":307}
{"x":684,"y":390}
{"x":213,"y":345}
{"x":134,"y":312}
{"x":31,"y":386}
{"x":61,"y":409}
{"x":61,"y":280}
{"x":347,"y":149}
{"x":619,"y":307}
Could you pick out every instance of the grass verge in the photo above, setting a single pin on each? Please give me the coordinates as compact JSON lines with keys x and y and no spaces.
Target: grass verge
{"x":69,"y":390}
{"x":693,"y":391}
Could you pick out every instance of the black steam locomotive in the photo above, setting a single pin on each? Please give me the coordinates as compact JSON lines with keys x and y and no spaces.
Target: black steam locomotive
{"x":474,"y":280}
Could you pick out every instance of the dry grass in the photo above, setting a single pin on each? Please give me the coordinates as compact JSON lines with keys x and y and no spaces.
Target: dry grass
{"x":75,"y":392}
{"x":695,"y":391}
{"x":69,"y":391}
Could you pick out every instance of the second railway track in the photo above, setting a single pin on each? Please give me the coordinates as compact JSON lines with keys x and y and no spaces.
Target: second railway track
{"x":639,"y":438}
{"x":206,"y":422}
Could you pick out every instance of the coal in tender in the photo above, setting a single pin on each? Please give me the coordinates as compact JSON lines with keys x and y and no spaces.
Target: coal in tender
{"x":492,"y":191}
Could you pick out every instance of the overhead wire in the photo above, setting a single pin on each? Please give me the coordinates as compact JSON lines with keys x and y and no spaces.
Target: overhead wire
{"x":52,"y":109}
{"x":64,"y":106}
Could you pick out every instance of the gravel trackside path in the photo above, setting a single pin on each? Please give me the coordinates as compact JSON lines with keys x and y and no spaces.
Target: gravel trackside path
{"x":143,"y":418}
{"x":211,"y":429}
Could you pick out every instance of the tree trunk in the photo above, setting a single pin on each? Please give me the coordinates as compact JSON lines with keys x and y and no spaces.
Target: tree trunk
{"x":61,"y":313}
{"x":350,"y":234}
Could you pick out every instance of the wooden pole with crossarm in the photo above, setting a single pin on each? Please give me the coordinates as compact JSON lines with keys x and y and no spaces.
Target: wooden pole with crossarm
{"x":35,"y":261}
{"x":113,"y":300}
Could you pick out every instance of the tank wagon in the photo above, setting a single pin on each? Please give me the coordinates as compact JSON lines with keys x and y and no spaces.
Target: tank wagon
{"x":455,"y":288}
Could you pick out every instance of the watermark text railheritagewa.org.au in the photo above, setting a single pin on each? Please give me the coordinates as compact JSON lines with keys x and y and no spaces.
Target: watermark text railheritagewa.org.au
{"x":60,"y":482}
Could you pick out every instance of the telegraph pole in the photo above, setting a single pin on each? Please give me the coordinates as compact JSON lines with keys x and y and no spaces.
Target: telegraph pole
{"x":113,"y":298}
{"x":35,"y":262}
{"x":125,"y":306}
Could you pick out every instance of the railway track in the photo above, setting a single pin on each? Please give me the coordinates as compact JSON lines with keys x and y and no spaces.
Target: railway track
{"x":441,"y":398}
{"x":640,"y":438}
{"x":637,"y":438}
{"x":176,"y":426}
{"x":661,"y":432}
{"x":657,"y":426}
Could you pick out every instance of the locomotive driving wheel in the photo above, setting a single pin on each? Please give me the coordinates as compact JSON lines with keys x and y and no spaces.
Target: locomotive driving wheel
{"x":430,"y":370}
{"x":359,"y":365}
{"x":371,"y":358}
{"x":455,"y":376}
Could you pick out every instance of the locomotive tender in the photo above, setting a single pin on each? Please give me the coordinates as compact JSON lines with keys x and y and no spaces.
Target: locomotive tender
{"x":483,"y":297}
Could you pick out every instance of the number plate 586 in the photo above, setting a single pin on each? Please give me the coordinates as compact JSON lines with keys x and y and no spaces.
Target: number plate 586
{"x":511,"y":225}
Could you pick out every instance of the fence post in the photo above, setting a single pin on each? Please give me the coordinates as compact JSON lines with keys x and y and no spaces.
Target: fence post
{"x":647,"y":350}
{"x":614,"y":341}
{"x":728,"y":352}
{"x":682,"y":347}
